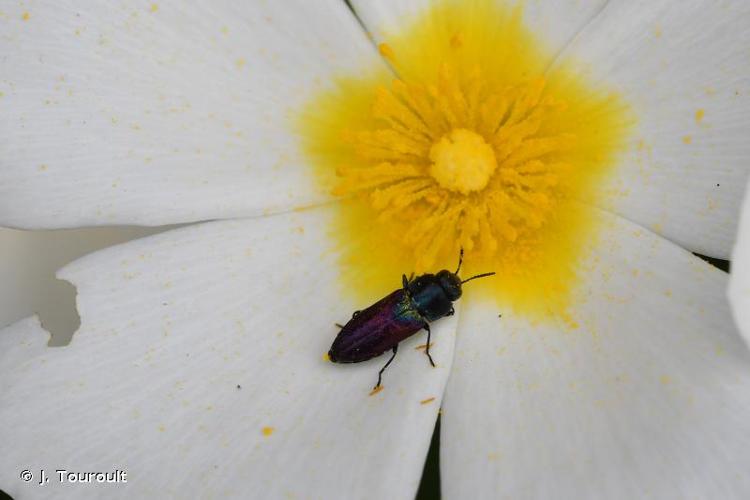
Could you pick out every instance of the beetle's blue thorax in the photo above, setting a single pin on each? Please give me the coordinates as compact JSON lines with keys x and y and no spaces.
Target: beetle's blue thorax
{"x":429,"y":297}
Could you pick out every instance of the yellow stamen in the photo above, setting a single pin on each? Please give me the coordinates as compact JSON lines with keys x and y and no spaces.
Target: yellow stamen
{"x":473,"y":145}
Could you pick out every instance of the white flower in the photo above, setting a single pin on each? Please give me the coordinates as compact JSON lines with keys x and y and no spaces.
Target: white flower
{"x":198,"y":366}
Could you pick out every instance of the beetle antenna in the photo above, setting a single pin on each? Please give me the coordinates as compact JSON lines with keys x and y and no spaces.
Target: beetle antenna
{"x":460,"y":260}
{"x":483,"y":275}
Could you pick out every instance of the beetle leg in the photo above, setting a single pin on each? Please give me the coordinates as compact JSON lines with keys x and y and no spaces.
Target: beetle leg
{"x":380,"y":373}
{"x":427,"y":349}
{"x":451,"y":312}
{"x":339,"y":325}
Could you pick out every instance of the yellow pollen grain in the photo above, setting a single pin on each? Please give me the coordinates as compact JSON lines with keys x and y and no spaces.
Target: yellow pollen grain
{"x":569,"y":320}
{"x":326,"y":357}
{"x":386,"y":51}
{"x":267,"y":431}
{"x":25,"y":16}
{"x":473,"y":144}
{"x":427,"y":401}
{"x":687,"y":139}
{"x":699,"y":114}
{"x":154,"y":7}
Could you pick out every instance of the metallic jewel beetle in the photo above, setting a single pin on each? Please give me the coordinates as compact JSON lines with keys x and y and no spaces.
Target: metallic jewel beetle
{"x":397,"y":316}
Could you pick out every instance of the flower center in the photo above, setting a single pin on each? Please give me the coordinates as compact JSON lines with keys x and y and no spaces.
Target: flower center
{"x":462,"y":161}
{"x":469,"y":162}
{"x":475,"y":144}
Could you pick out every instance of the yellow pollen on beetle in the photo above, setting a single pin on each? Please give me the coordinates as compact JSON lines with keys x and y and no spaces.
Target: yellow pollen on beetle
{"x":470,"y":142}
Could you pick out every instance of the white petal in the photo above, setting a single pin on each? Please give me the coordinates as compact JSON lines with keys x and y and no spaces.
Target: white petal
{"x":739,"y":280}
{"x":647,"y":397}
{"x":158,"y":112}
{"x":554,"y":21}
{"x":18,"y":343}
{"x":682,"y":67}
{"x":194,"y":341}
{"x":28,"y":261}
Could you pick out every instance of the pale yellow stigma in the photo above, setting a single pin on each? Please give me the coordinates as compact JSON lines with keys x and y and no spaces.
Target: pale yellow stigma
{"x":462,"y":161}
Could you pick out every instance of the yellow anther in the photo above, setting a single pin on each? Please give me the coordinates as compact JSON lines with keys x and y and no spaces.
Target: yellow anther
{"x":386,"y":51}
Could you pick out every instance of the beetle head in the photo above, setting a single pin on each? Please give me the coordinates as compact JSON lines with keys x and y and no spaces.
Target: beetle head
{"x":450,"y":283}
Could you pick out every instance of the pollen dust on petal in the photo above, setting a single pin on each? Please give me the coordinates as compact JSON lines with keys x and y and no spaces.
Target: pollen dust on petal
{"x":376,"y":390}
{"x":267,"y":431}
{"x":471,"y":145}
